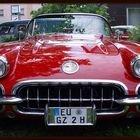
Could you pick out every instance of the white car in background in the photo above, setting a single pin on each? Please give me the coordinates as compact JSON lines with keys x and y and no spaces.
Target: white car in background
{"x":125,"y":30}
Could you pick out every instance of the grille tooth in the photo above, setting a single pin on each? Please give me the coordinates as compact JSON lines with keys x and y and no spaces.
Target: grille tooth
{"x":48,"y":101}
{"x":70,"y":95}
{"x":112,"y":101}
{"x":59,"y":97}
{"x":80,"y":97}
{"x":27,"y":98}
{"x":38,"y":98}
{"x":102,"y":99}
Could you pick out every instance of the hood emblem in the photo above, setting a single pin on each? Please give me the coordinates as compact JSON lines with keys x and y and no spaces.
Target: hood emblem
{"x":70,"y":67}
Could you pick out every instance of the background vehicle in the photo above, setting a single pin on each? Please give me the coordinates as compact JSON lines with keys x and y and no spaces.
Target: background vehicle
{"x":9,"y":30}
{"x":126,"y":30}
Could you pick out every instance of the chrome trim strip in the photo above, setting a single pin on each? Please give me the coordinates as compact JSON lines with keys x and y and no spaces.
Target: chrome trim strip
{"x":10,"y":100}
{"x":65,"y":81}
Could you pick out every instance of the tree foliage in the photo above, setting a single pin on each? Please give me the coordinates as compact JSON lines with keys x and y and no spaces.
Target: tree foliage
{"x":135,"y":35}
{"x":100,"y":9}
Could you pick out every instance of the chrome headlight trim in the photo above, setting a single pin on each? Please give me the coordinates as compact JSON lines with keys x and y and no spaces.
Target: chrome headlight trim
{"x":132,"y":64}
{"x":6,"y":65}
{"x":73,"y":67}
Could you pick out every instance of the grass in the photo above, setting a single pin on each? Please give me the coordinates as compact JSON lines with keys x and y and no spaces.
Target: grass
{"x":125,"y":127}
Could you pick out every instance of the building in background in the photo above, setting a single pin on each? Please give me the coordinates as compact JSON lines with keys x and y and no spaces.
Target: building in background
{"x":13,"y":11}
{"x":124,"y":14}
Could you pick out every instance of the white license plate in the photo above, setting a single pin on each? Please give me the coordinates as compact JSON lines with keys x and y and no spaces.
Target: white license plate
{"x":70,"y":116}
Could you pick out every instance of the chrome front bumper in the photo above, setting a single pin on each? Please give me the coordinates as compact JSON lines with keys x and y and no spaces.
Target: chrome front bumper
{"x":14,"y":101}
{"x":10,"y":100}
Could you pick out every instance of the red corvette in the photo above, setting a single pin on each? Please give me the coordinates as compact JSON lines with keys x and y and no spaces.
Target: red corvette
{"x":70,"y":70}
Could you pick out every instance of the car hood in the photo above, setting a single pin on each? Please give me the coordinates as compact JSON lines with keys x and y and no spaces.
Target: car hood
{"x":45,"y":56}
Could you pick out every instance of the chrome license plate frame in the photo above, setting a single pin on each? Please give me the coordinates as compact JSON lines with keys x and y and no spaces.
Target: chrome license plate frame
{"x":55,"y":116}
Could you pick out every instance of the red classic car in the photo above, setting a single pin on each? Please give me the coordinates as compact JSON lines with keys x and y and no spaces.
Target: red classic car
{"x":71,"y":71}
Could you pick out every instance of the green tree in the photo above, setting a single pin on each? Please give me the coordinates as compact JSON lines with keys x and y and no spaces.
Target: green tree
{"x":135,"y":34}
{"x":100,"y":9}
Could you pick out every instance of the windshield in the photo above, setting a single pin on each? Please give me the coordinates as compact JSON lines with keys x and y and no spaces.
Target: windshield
{"x":68,"y":24}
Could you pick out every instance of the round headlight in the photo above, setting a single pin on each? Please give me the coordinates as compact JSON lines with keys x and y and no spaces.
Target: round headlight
{"x":135,"y":65}
{"x":3,"y":66}
{"x":70,"y":67}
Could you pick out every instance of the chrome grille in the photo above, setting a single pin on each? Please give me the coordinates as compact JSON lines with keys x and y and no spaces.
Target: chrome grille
{"x":70,"y":94}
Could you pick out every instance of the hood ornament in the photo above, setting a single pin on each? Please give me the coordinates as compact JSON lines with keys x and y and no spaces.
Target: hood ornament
{"x":70,"y":67}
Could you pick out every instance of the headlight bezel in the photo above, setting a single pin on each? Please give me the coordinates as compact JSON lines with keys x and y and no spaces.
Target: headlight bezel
{"x":133,"y":63}
{"x":6,"y":64}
